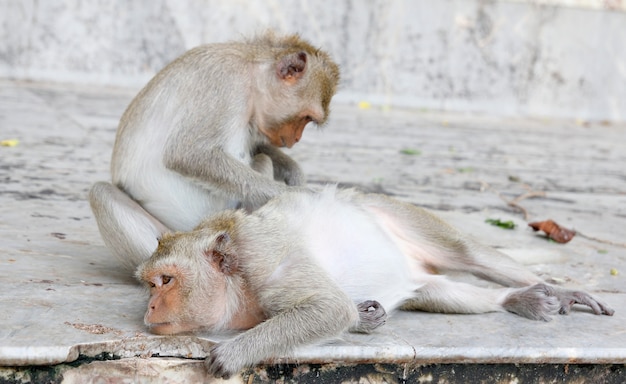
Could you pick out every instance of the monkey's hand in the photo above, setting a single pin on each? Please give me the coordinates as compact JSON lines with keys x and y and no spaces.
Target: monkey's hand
{"x":294,"y":176}
{"x":221,"y":364}
{"x":262,"y":163}
{"x":371,"y":316}
{"x":286,"y":169}
{"x":539,"y":301}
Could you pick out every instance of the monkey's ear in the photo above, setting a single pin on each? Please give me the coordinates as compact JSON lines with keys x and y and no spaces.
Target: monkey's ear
{"x":221,"y":255}
{"x":291,"y":67}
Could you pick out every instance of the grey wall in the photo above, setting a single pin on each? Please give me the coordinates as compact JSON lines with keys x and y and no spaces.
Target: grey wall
{"x":563,"y":58}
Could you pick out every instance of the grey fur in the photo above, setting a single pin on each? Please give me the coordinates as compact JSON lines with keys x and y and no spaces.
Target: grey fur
{"x":186,"y":145}
{"x":310,"y":257}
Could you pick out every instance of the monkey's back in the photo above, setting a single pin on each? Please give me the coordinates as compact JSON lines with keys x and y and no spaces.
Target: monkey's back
{"x":181,"y":109}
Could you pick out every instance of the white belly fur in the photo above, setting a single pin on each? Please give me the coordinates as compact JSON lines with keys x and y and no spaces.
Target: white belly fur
{"x":358,"y":254}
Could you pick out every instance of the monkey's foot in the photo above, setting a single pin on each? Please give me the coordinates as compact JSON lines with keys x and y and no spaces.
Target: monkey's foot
{"x":539,"y":301}
{"x":568,"y":298}
{"x":371,"y":316}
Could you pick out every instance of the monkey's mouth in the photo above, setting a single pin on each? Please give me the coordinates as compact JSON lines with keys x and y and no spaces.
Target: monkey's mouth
{"x":166,"y":328}
{"x":169,"y":328}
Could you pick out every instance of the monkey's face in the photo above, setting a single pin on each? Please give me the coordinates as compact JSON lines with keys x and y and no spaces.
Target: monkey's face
{"x":288,"y":133}
{"x":187,"y":280}
{"x":166,"y":313}
{"x":178,"y":305}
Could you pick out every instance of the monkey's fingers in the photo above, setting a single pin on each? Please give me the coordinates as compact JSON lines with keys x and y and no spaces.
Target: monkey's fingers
{"x":371,"y":316}
{"x":214,"y":366}
{"x":576,"y":297}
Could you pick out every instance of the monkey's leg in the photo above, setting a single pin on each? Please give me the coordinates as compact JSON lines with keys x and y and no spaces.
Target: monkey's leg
{"x":127,"y":229}
{"x":432,"y":242}
{"x":534,"y":297}
{"x":536,"y":302}
{"x":442,"y":295}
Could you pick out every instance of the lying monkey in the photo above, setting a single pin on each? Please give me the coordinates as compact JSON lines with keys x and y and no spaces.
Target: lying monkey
{"x":291,"y":272}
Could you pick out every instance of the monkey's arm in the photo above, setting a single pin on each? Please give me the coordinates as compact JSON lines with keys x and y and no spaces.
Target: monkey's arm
{"x":263,"y":164}
{"x":217,"y":170}
{"x":285,"y":168}
{"x":305,"y":314}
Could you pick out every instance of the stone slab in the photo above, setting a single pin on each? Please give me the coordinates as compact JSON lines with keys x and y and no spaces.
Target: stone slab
{"x":63,"y":297}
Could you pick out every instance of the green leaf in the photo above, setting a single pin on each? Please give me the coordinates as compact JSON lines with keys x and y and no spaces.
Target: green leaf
{"x":509,"y":224}
{"x":514,"y":179}
{"x":410,"y":152}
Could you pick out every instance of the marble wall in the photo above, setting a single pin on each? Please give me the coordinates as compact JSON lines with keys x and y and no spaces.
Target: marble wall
{"x":562,"y":58}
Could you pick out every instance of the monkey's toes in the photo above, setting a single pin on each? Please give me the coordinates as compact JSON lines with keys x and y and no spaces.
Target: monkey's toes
{"x":606,"y":310}
{"x":371,"y":316}
{"x":569,"y":298}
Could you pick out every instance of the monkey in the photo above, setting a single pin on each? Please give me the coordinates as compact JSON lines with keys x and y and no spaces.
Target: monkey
{"x":290,"y":273}
{"x":188,"y":144}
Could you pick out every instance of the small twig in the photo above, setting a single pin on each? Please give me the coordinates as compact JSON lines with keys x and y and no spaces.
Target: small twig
{"x":609,"y":242}
{"x":527,"y":195}
{"x":530,"y":194}
{"x":514,"y":203}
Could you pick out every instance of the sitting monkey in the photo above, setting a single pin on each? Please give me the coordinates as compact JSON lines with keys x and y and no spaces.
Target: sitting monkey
{"x":201,"y":136}
{"x":291,"y":272}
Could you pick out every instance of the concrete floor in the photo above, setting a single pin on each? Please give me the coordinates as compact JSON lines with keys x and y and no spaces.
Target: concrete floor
{"x":64,"y":300}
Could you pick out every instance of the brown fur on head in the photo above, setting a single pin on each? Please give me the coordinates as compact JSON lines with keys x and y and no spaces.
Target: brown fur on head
{"x":296,"y":76}
{"x":193,"y":282}
{"x":284,"y":45}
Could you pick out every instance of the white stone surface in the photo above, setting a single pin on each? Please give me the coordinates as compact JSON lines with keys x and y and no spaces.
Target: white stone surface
{"x":548,"y":58}
{"x":63,"y":295}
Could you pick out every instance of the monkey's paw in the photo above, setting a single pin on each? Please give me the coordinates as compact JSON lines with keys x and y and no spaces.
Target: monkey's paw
{"x":541,"y":300}
{"x":535,"y":302}
{"x":568,"y":298}
{"x":220,"y":364}
{"x":295,"y":177}
{"x":371,"y":316}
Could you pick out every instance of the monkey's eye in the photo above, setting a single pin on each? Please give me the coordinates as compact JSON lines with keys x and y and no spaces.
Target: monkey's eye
{"x":166,"y":279}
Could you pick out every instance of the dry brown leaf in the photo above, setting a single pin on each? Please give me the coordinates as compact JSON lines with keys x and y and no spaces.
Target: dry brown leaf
{"x":553,"y":230}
